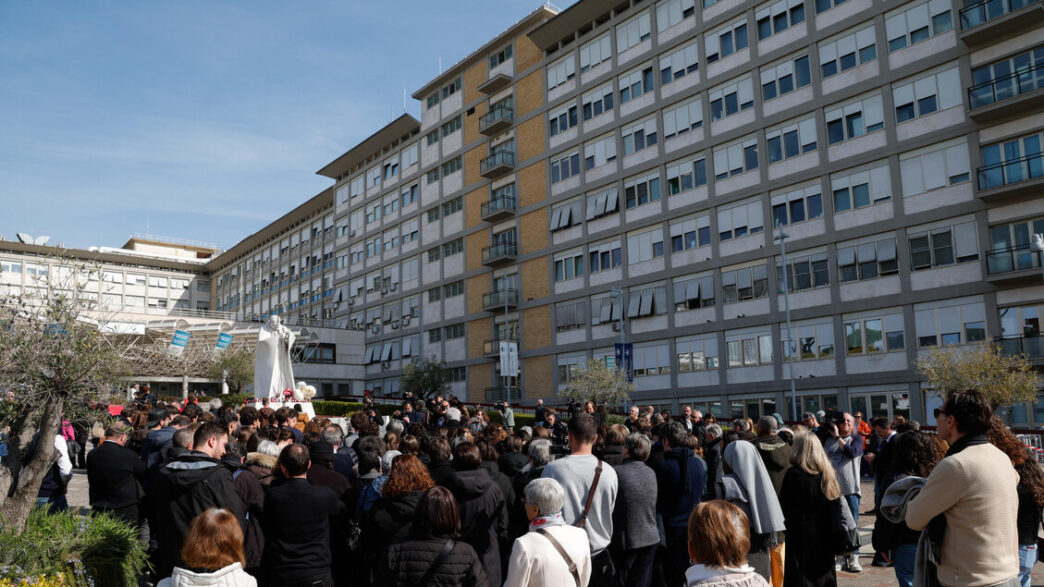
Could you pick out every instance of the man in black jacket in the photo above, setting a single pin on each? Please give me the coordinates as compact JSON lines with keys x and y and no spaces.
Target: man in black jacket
{"x":189,"y":485}
{"x":114,"y":474}
{"x":297,"y":524}
{"x":483,"y":511}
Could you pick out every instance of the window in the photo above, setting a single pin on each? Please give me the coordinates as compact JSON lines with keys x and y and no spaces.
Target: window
{"x":690,"y":233}
{"x":391,"y":167}
{"x":391,"y":239}
{"x":409,"y":195}
{"x":373,"y":176}
{"x":409,"y":156}
{"x":433,"y":175}
{"x":855,"y":119}
{"x":791,"y":140}
{"x":453,"y":289}
{"x":639,"y":191}
{"x":919,"y":23}
{"x":803,"y":271}
{"x":602,"y":203}
{"x":434,"y":214}
{"x":454,"y":331}
{"x":1020,"y":322}
{"x":434,"y":335}
{"x":644,"y":246}
{"x":500,"y":57}
{"x":681,"y":118}
{"x":635,"y":83}
{"x":136,"y":279}
{"x":356,"y":187}
{"x":646,"y":300}
{"x":1010,"y":244}
{"x":605,"y":309}
{"x":391,"y":205}
{"x":570,"y":315}
{"x":926,"y":95}
{"x":651,"y":359}
{"x":815,"y":340}
{"x":737,"y":158}
{"x":797,"y":205}
{"x":561,"y":71}
{"x":679,"y":63}
{"x":686,"y":175}
{"x":453,"y":247}
{"x":600,"y":151}
{"x":779,"y":16}
{"x":452,"y":166}
{"x":740,"y":220}
{"x":373,"y":213}
{"x":450,"y":127}
{"x":160,"y":282}
{"x":1008,"y":78}
{"x":598,"y":101}
{"x":845,"y":52}
{"x":604,"y":256}
{"x":632,"y":32}
{"x":373,"y":247}
{"x":785,"y":77}
{"x":595,"y":52}
{"x":357,"y":254}
{"x":434,"y":254}
{"x":861,"y":189}
{"x":453,"y":206}
{"x":410,"y":230}
{"x":956,"y":322}
{"x":434,"y":294}
{"x":747,"y":283}
{"x":693,"y":292}
{"x":432,"y":137}
{"x":569,"y":266}
{"x":565,"y":167}
{"x":943,"y":245}
{"x":697,"y":353}
{"x":672,"y":12}
{"x":748,"y":349}
{"x":1011,"y":161}
{"x":726,"y":41}
{"x":934,"y":167}
{"x":732,"y":97}
{"x":639,"y":136}
{"x":562,"y":120}
{"x":565,"y":215}
{"x":867,"y":260}
{"x":824,"y":5}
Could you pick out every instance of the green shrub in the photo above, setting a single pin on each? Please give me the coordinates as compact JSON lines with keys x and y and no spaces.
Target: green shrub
{"x":614,"y":419}
{"x":520,"y":419}
{"x":95,"y":549}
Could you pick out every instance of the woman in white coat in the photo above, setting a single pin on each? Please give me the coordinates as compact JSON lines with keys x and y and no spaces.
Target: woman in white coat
{"x":552,"y":552}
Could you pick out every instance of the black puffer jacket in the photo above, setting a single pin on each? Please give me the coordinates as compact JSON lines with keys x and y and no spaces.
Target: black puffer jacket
{"x":389,"y":520}
{"x":483,"y":516}
{"x":408,"y":562}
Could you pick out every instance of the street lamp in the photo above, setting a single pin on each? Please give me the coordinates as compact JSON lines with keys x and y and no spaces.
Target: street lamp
{"x":791,"y":347}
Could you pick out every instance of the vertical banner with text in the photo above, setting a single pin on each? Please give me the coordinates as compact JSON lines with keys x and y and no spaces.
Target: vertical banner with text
{"x":179,"y":342}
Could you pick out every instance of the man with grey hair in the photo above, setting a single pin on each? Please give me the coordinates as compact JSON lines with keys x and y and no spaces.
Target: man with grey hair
{"x":773,"y":450}
{"x":712,"y":454}
{"x":844,"y":448}
{"x":562,"y":555}
{"x":635,"y":535}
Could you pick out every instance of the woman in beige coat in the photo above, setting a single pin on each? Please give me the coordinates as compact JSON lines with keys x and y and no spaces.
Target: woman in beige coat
{"x":539,"y":557}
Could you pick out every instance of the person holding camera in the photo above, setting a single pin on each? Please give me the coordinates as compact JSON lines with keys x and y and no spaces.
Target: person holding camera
{"x":507,"y":416}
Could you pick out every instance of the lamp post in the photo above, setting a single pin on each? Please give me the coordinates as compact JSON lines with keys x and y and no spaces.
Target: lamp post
{"x":782,"y":238}
{"x":617,"y":292}
{"x":507,"y":328}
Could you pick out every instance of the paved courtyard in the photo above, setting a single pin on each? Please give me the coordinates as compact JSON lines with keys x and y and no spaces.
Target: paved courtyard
{"x":870,"y":577}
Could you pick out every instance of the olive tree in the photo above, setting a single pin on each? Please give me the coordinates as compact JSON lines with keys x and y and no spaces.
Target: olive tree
{"x":597,"y":382}
{"x":1004,"y":379}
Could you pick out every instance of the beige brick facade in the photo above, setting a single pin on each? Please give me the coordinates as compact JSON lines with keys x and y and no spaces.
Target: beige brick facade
{"x":474,"y":76}
{"x":478,"y":333}
{"x":473,"y":205}
{"x":471,"y":164}
{"x":529,"y":93}
{"x":536,"y":328}
{"x":532,"y":184}
{"x":479,"y":378}
{"x":530,"y":138}
{"x":539,"y":375}
{"x":476,"y":286}
{"x":535,"y":279}
{"x":527,"y":54}
{"x":533,"y":231}
{"x":473,"y":245}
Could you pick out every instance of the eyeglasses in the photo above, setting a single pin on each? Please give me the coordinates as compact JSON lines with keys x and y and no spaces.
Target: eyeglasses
{"x":938,"y":411}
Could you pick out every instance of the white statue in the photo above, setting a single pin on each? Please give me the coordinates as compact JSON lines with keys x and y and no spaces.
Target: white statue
{"x":272,"y":370}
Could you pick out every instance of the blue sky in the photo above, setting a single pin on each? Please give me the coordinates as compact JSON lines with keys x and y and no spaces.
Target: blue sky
{"x":204,"y":120}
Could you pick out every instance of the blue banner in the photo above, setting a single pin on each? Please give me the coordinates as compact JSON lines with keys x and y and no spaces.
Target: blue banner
{"x":625,"y":359}
{"x":179,"y":342}
{"x":224,"y":339}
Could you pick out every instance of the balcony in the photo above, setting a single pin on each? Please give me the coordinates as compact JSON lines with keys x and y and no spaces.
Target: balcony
{"x":498,"y":207}
{"x":499,"y":254}
{"x":1012,"y":178}
{"x":497,"y":120}
{"x":497,"y":164}
{"x":495,"y":84}
{"x":1031,"y":346}
{"x":1008,"y":96}
{"x":500,"y":393}
{"x":498,"y":300}
{"x":491,"y":348}
{"x":1018,"y":263}
{"x":988,"y":20}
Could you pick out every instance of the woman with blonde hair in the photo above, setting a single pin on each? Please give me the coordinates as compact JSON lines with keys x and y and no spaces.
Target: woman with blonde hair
{"x":805,"y":497}
{"x":214,"y":552}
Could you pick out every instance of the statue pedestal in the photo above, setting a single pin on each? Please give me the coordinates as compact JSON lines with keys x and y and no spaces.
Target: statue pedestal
{"x":306,"y":407}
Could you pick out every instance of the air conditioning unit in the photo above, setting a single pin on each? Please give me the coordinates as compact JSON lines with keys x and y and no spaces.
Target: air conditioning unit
{"x":394,"y":286}
{"x":616,"y":327}
{"x":406,"y":320}
{"x":386,"y":365}
{"x":351,"y":301}
{"x":376,"y":328}
{"x":395,"y":325}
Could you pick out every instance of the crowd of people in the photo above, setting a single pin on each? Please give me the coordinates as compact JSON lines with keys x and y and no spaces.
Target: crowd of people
{"x":436,"y":494}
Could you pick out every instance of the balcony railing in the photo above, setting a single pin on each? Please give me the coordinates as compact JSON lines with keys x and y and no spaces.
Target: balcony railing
{"x":499,"y":394}
{"x":492,"y":347}
{"x":987,"y":10}
{"x":1006,"y":87}
{"x":499,"y":253}
{"x":496,"y":120}
{"x":498,"y":163}
{"x":1031,"y":346}
{"x":1016,"y":258}
{"x":1012,"y":171}
{"x":498,"y":207}
{"x":496,"y":300}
